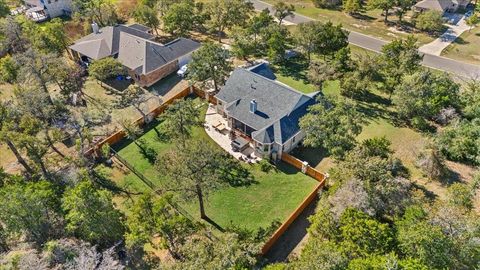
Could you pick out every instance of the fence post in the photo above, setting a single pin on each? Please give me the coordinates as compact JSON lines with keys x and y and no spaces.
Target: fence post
{"x":304,"y":167}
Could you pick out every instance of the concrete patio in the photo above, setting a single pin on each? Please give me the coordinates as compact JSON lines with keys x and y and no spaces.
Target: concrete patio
{"x":222,"y":137}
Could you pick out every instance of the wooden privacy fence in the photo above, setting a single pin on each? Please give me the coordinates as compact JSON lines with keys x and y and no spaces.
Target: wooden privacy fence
{"x":209,"y":97}
{"x":320,"y":177}
{"x":295,"y":162}
{"x":292,"y":161}
{"x":120,"y":134}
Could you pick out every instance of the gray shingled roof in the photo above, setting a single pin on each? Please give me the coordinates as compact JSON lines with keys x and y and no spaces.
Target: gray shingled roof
{"x":144,"y":56}
{"x":140,"y":27}
{"x":438,"y":5}
{"x":264,"y":70}
{"x":279,"y":107}
{"x":106,"y":42}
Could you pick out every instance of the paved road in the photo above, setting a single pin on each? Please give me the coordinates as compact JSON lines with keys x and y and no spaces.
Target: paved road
{"x":375,"y":44}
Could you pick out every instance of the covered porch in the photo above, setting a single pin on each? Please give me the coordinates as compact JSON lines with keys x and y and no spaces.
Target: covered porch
{"x":240,"y":147}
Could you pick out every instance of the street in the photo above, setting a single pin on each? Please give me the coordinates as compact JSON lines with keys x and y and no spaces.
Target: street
{"x":375,"y":44}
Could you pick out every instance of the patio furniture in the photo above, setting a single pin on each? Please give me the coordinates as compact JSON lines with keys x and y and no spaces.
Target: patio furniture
{"x":221,"y":127}
{"x":239,"y":144}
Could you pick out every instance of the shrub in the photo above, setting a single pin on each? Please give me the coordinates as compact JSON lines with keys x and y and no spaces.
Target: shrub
{"x":419,"y":123}
{"x":460,"y":141}
{"x":326,"y":3}
{"x":461,"y":195}
{"x":266,"y":166}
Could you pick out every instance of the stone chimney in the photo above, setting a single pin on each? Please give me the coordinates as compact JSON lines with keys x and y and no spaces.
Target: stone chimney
{"x":95,"y":28}
{"x":253,"y":106}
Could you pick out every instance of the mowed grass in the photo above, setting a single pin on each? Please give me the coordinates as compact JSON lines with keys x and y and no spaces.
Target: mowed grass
{"x":466,"y":47}
{"x":406,"y":142}
{"x":273,"y":196}
{"x":131,"y":152}
{"x":369,"y":22}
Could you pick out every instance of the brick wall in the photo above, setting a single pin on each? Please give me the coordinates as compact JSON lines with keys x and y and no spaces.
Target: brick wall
{"x":156,"y":75}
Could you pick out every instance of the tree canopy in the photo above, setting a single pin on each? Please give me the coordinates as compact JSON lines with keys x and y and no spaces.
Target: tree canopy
{"x":332,"y":126}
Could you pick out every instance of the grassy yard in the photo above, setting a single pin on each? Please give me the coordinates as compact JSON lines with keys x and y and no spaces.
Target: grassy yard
{"x":273,"y":196}
{"x":370,"y":22}
{"x":466,"y":47}
{"x":377,"y":113}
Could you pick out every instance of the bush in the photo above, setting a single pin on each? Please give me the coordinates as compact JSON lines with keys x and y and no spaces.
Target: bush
{"x":460,"y":141}
{"x":266,"y":166}
{"x":419,"y":123}
{"x":326,"y":3}
{"x":461,"y":195}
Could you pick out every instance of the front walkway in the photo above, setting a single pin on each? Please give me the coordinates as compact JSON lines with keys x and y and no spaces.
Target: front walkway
{"x":222,"y":138}
{"x":453,"y":32}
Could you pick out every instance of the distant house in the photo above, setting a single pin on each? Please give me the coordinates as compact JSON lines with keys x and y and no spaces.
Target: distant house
{"x":263,"y":110}
{"x":441,"y":6}
{"x":147,"y":61}
{"x":41,"y":10}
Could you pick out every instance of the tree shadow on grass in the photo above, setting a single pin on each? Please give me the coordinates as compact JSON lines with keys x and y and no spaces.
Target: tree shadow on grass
{"x":428,"y":194}
{"x":295,"y":68}
{"x":237,"y":175}
{"x":461,"y":41}
{"x":214,"y":224}
{"x":363,"y":17}
{"x":148,"y":153}
{"x":450,"y":177}
{"x":118,"y":85}
{"x":309,"y":154}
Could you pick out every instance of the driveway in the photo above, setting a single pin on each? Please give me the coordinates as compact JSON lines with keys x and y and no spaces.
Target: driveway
{"x":454,"y":30}
{"x":374,"y":44}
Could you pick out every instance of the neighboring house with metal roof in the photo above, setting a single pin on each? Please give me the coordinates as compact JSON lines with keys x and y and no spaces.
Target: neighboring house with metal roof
{"x":147,"y":61}
{"x":441,"y":6}
{"x":263,"y":110}
{"x":41,"y":10}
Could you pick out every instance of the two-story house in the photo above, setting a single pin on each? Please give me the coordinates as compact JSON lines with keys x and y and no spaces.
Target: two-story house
{"x":263,"y":110}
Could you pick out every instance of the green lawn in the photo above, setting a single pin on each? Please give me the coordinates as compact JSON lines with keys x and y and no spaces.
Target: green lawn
{"x":297,"y":84}
{"x":273,"y":196}
{"x":406,"y":142}
{"x":466,"y":47}
{"x":369,"y":22}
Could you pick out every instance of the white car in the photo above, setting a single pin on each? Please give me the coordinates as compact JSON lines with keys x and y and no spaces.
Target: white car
{"x":182,"y":72}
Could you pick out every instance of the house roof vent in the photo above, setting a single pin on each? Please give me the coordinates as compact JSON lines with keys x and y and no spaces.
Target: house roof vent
{"x":253,"y":106}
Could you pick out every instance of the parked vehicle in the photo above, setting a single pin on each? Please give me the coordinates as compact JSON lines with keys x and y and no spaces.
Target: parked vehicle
{"x":182,"y":72}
